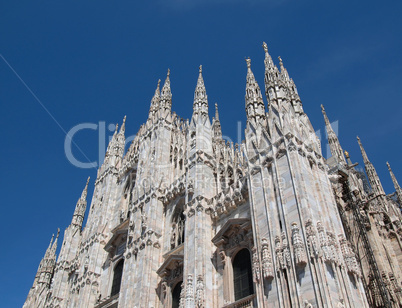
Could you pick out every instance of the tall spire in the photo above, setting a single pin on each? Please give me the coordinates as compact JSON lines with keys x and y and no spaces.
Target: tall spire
{"x":284,"y":72}
{"x":54,"y":246}
{"x":268,"y":60}
{"x":123,"y":126}
{"x":216,"y":125}
{"x":271,"y":78}
{"x":372,"y":175}
{"x":121,"y":139}
{"x":334,"y":145}
{"x":398,"y":189}
{"x":80,"y":208}
{"x":49,"y":248}
{"x":155,"y":100}
{"x":216,"y":112}
{"x":255,"y":107}
{"x":166,"y":93}
{"x":200,"y":105}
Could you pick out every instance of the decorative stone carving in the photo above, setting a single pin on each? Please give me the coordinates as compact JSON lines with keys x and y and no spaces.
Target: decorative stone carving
{"x":164,"y":290}
{"x":349,"y":256}
{"x":189,"y":291}
{"x":267,"y":266}
{"x":182,"y":296}
{"x":286,"y":251}
{"x":199,"y":302}
{"x":222,"y":254}
{"x":312,"y":241}
{"x":326,"y":254}
{"x":279,"y":254}
{"x":298,"y":246}
{"x":256,"y":266}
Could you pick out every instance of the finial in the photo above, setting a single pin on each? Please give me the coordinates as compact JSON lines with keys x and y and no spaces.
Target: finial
{"x":358,"y":138}
{"x":389,"y":167}
{"x":200,"y":68}
{"x":322,"y":107}
{"x":248,"y":61}
{"x":159,"y":83}
{"x":168,"y":72}
{"x":117,"y":126}
{"x":88,"y":180}
{"x":58,"y":232}
{"x":216,"y":111}
{"x":124,"y":119}
{"x":265,"y":46}
{"x":346,"y":152}
{"x":280,"y":60}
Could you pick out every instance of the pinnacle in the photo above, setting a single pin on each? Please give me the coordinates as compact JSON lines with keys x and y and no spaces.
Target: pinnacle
{"x":123,"y":126}
{"x":252,"y":88}
{"x":200,"y":91}
{"x":166,"y":92}
{"x":265,"y":46}
{"x":156,"y":98}
{"x":364,"y":154}
{"x":216,"y":112}
{"x":248,"y":61}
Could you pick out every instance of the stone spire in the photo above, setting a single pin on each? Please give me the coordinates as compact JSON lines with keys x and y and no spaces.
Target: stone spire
{"x":284,"y":72}
{"x":42,"y":263}
{"x":216,"y":112}
{"x":269,"y":64}
{"x":46,"y":266}
{"x":372,"y":175}
{"x":271,"y":79}
{"x":216,"y":125}
{"x":80,"y":208}
{"x":155,"y":100}
{"x":166,"y":94}
{"x":121,"y":139}
{"x":49,"y":248}
{"x":334,"y":145}
{"x":200,"y":105}
{"x":54,"y":246}
{"x":398,"y":189}
{"x":255,"y":107}
{"x":123,"y":126}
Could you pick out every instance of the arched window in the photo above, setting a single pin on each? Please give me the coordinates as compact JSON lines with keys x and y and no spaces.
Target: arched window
{"x":176,"y":295}
{"x":118,"y":273}
{"x":242,"y":274}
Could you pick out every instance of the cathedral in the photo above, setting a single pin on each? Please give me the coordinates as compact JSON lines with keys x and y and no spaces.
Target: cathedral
{"x":187,"y":219}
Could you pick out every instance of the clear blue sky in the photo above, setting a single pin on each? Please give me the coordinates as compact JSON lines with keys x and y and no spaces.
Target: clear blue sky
{"x":92,"y":61}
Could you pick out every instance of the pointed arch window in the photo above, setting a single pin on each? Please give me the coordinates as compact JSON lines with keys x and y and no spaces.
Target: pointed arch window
{"x":118,"y":273}
{"x":242,"y":274}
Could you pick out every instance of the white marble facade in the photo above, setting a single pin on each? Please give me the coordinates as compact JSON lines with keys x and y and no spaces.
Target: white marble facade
{"x":185,"y":219}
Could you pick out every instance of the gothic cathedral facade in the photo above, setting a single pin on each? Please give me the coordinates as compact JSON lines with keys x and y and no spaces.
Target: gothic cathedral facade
{"x":186,"y":219}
